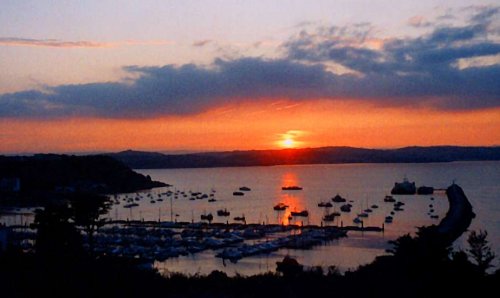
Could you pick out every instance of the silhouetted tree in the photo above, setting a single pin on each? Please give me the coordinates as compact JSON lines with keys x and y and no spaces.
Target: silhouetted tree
{"x":333,"y":271}
{"x":289,"y":267}
{"x":480,"y":251}
{"x":57,"y":235}
{"x":461,"y":264}
{"x":87,"y":210}
{"x":426,"y":247}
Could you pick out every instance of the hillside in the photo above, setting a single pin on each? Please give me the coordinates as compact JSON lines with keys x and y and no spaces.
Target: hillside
{"x":324,"y":155}
{"x":60,"y":173}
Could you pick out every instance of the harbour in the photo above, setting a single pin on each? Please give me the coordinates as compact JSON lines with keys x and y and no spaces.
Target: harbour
{"x":171,"y":218}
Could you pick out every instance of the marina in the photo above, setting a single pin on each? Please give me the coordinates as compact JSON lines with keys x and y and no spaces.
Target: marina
{"x":187,"y":232}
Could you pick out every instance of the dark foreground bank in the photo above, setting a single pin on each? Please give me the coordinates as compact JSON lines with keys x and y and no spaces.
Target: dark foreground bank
{"x":402,"y":274}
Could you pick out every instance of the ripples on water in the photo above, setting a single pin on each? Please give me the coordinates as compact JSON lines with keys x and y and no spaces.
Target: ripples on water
{"x":364,"y":184}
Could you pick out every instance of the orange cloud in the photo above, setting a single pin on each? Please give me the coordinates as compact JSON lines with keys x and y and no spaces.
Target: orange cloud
{"x":257,"y":126}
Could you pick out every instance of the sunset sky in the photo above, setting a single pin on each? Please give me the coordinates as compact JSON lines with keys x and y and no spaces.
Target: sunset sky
{"x":171,"y":76}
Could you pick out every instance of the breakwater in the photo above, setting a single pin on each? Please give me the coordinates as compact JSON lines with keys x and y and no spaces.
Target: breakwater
{"x":459,"y":215}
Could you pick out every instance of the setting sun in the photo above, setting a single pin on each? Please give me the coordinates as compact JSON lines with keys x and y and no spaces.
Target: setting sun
{"x":288,"y":139}
{"x":288,"y":143}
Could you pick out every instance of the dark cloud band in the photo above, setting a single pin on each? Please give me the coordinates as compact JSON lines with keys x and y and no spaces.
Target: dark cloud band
{"x":410,"y":71}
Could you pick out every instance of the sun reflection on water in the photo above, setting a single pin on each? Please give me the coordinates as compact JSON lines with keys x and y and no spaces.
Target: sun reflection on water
{"x":293,"y":199}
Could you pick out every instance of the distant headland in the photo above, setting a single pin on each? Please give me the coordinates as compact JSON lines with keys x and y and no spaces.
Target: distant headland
{"x":50,"y":175}
{"x":323,"y":155}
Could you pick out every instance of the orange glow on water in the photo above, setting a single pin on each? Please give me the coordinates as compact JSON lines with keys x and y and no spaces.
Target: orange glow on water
{"x":293,"y":199}
{"x":289,"y":179}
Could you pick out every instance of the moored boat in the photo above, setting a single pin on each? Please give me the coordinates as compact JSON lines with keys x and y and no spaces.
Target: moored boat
{"x":389,"y":199}
{"x":346,"y":208}
{"x":292,"y":187}
{"x":330,"y":217}
{"x":425,"y":190}
{"x":303,"y":213}
{"x":338,"y":199}
{"x":208,"y":217}
{"x":223,"y":212}
{"x":404,"y":188}
{"x":357,"y":220}
{"x":240,"y":218}
{"x":280,"y":207}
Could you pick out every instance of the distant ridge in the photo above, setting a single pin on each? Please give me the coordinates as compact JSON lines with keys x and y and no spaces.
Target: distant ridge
{"x":323,"y":155}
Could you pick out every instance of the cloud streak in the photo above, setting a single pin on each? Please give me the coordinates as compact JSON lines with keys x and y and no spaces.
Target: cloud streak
{"x":419,"y":21}
{"x":430,"y":69}
{"x":201,"y":43}
{"x":55,"y":43}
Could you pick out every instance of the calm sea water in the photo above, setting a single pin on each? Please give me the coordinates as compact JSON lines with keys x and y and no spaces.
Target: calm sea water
{"x":364,"y":184}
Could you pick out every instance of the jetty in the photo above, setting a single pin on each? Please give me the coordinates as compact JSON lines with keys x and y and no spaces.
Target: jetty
{"x":153,"y":241}
{"x":459,"y":215}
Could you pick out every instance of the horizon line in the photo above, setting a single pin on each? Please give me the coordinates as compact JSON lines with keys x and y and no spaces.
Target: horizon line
{"x":188,"y":151}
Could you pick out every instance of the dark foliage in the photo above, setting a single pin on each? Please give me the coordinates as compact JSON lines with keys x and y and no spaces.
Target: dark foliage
{"x":87,"y":210}
{"x":480,"y":251}
{"x":408,"y":272}
{"x":34,"y":276}
{"x":57,"y":236}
